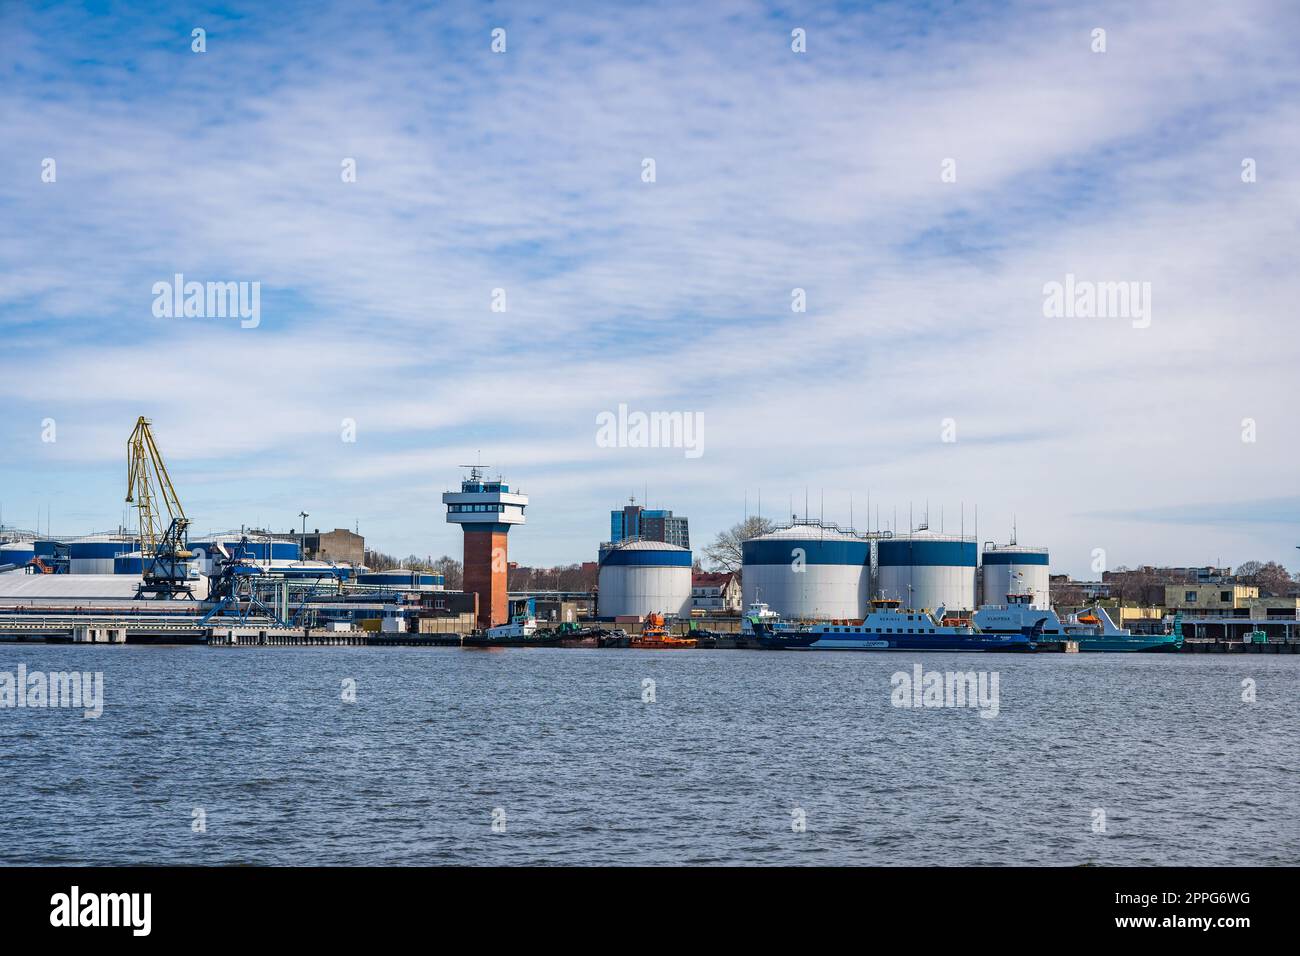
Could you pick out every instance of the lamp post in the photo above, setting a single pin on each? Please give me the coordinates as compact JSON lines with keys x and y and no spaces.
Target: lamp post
{"x":302,"y":544}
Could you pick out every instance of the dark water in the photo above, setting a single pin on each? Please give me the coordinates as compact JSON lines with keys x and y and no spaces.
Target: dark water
{"x":585,"y":772}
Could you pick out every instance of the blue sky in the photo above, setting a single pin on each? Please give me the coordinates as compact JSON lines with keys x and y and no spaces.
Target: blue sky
{"x":774,"y":171}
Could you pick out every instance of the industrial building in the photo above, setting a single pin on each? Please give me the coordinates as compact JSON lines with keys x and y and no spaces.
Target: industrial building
{"x":810,"y":570}
{"x":339,"y":546}
{"x":644,"y":577}
{"x":927,"y":570}
{"x":1016,"y":569}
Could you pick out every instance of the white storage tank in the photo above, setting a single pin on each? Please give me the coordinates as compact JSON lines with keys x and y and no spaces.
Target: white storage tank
{"x":1016,"y":569}
{"x":645,"y":577}
{"x":926,"y":570}
{"x":808,"y":571}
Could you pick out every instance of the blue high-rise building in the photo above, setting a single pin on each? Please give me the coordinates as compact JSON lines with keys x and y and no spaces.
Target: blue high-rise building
{"x":634,"y":521}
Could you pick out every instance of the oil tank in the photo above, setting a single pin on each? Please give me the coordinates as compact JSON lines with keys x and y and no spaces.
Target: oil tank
{"x":1015,"y":569}
{"x":645,"y":577}
{"x":809,"y":570}
{"x":926,"y":570}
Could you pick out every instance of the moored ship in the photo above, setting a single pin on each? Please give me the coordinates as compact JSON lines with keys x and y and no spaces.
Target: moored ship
{"x":890,"y":627}
{"x":520,"y":632}
{"x":1092,"y":629}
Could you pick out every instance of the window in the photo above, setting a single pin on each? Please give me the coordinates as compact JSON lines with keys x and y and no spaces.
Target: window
{"x":1189,"y":597}
{"x":1225,"y":596}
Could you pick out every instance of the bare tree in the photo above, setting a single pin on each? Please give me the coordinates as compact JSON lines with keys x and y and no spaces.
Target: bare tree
{"x":1272,"y":579}
{"x":725,"y":553}
{"x":450,"y":569}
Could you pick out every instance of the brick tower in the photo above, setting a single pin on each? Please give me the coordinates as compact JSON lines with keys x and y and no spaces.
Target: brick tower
{"x":485,"y":509}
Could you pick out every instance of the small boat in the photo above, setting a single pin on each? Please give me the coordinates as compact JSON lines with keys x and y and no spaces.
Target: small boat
{"x":772,"y":638}
{"x":655,"y":636}
{"x":758,"y":612}
{"x":521,"y":632}
{"x":614,"y":638}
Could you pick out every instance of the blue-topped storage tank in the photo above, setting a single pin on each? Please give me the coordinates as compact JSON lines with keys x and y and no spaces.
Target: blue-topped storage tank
{"x":808,"y":571}
{"x":926,"y":570}
{"x":645,"y":577}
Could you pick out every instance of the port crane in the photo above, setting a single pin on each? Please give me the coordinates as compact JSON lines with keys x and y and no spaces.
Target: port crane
{"x":164,"y":529}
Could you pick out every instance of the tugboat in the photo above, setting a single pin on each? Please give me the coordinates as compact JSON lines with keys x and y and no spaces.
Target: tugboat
{"x":655,"y":636}
{"x":771,"y":637}
{"x":520,"y":632}
{"x":891,"y":627}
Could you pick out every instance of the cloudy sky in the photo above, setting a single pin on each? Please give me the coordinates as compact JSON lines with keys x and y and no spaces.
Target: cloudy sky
{"x":922,"y":172}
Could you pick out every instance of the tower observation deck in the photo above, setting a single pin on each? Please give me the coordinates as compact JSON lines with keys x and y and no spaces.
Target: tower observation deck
{"x":486,"y":509}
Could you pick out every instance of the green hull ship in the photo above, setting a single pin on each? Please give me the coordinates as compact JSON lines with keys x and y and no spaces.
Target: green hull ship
{"x":1092,"y":630}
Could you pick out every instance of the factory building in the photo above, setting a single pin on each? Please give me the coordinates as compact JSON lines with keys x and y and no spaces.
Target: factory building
{"x":264,"y":549}
{"x":644,"y":577}
{"x":486,"y":510}
{"x":403,"y":579}
{"x":17,"y":553}
{"x":926,"y":570}
{"x":1016,"y":569}
{"x":95,"y":553}
{"x":809,"y":570}
{"x":340,"y":546}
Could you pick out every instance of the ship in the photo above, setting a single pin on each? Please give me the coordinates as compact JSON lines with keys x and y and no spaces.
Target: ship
{"x":1092,"y":628}
{"x":655,"y":636}
{"x":758,"y":612}
{"x":520,"y":632}
{"x":890,"y":627}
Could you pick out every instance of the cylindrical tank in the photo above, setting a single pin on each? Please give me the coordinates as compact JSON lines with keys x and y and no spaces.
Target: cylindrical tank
{"x":95,"y":554}
{"x":926,"y":570}
{"x":1015,"y":569}
{"x":807,"y":571}
{"x":645,"y":577}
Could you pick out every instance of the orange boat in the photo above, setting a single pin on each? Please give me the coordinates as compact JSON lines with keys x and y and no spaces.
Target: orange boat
{"x":654,"y":635}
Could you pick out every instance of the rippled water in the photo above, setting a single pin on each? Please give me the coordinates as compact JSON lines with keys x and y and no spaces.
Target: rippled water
{"x":586,"y":772}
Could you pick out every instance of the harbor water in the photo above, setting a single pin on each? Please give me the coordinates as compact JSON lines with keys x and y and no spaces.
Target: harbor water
{"x":550,"y":756}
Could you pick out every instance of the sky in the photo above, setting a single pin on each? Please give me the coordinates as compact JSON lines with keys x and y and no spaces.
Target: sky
{"x":921,"y":171}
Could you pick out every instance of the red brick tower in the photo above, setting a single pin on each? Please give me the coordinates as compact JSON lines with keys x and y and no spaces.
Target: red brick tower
{"x":486,"y":510}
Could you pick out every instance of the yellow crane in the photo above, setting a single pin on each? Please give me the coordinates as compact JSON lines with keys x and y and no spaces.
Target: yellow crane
{"x":164,"y":548}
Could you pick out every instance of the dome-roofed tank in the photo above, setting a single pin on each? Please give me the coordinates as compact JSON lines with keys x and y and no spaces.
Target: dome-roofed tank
{"x":809,"y":570}
{"x":928,"y":570}
{"x":1016,"y":569}
{"x":645,"y":577}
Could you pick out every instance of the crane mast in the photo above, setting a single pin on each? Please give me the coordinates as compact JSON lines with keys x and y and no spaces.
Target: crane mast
{"x":164,"y":544}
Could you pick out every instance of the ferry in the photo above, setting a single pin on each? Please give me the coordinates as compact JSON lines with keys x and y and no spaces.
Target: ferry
{"x":1092,"y":628}
{"x":890,"y":627}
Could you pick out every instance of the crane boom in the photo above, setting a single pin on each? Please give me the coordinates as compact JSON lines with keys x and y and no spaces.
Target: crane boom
{"x":163,"y":546}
